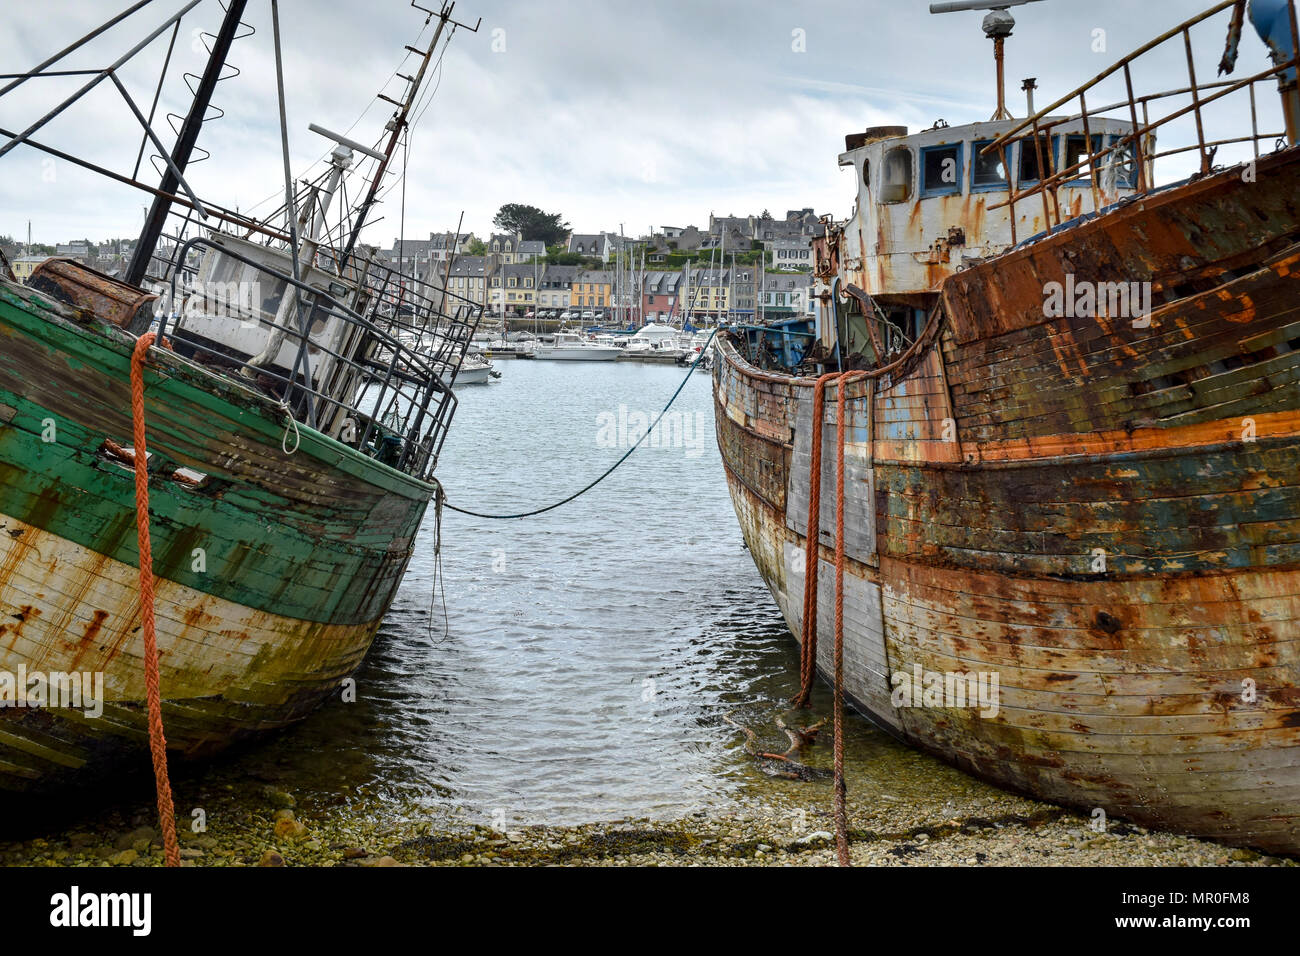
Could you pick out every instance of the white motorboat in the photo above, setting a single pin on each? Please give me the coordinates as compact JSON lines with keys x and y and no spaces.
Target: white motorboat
{"x":502,"y":349}
{"x":571,"y":347}
{"x":476,"y":370}
{"x":655,"y":338}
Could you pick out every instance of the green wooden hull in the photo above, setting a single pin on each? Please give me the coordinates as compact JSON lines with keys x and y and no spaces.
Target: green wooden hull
{"x":275,"y":570}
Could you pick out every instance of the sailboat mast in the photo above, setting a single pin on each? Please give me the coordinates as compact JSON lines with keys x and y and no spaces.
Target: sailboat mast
{"x":722,"y":266}
{"x":731,"y":290}
{"x":184,"y":147}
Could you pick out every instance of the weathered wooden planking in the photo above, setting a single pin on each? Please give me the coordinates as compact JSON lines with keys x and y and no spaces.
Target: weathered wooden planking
{"x":278,"y":532}
{"x":227,"y":672}
{"x":866,"y":662}
{"x":859,"y":511}
{"x":1117,"y":691}
{"x":273,"y":574}
{"x":1204,"y":359}
{"x":1173,"y":239}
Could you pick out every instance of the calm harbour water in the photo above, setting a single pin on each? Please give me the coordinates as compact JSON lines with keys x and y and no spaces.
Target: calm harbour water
{"x":583,"y":663}
{"x":585,"y":658}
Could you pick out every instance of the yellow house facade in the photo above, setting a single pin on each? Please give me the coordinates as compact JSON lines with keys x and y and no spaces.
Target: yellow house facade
{"x":592,"y":290}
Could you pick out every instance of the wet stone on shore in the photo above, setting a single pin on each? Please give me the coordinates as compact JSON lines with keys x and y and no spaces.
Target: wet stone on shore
{"x":253,"y":826}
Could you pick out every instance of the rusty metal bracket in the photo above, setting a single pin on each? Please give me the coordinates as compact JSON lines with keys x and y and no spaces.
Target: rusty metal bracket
{"x":869,"y":312}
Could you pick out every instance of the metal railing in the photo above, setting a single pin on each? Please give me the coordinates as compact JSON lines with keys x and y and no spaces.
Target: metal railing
{"x":378,"y":391}
{"x":1138,"y":147}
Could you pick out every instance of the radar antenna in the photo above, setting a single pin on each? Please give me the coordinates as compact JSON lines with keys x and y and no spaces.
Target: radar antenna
{"x":997,"y":27}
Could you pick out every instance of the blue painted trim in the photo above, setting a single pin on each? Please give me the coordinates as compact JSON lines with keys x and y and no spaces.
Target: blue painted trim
{"x":1012,"y":157}
{"x":953,"y":189}
{"x":1058,"y":155}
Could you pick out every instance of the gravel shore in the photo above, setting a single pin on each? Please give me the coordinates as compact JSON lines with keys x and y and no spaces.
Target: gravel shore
{"x":261,"y":825}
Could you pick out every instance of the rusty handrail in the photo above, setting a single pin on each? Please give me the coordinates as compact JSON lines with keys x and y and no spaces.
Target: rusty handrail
{"x":929,"y":334}
{"x":1061,"y":176}
{"x":1143,"y":151}
{"x":1114,"y":68}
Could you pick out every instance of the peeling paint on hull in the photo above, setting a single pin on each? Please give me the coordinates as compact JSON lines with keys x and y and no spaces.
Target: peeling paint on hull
{"x":274,"y":571}
{"x":1125,"y":687}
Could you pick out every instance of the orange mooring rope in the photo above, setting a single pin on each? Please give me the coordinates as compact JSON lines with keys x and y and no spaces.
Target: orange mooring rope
{"x":808,"y":649}
{"x":841,"y":790}
{"x":157,"y":739}
{"x":812,"y":549}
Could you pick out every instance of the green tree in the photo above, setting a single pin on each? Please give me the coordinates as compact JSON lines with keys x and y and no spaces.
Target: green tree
{"x":565,"y":259}
{"x":532,"y":223}
{"x":478,"y":248}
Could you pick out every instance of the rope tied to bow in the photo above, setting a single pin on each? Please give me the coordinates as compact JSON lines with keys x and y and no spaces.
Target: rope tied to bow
{"x":812,"y":562}
{"x":153,"y":694}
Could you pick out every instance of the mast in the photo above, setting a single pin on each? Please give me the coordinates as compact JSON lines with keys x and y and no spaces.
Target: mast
{"x":184,"y":147}
{"x":684,"y":304}
{"x":398,"y":124}
{"x":998,"y":25}
{"x":731,"y":290}
{"x":722,"y":268}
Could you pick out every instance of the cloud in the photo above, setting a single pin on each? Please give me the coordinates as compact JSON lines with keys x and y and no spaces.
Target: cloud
{"x":612,"y":112}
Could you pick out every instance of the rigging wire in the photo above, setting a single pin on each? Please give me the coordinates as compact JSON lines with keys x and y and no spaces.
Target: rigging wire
{"x":347,"y":132}
{"x":422,"y":106}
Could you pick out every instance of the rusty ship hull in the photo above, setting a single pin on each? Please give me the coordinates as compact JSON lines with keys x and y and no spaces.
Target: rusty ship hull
{"x":274,"y":566}
{"x":1103,"y":513}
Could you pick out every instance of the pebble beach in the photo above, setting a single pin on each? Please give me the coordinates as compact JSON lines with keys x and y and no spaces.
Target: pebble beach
{"x":256,"y":824}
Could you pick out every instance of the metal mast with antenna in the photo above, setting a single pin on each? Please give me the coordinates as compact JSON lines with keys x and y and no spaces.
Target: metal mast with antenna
{"x":997,"y":27}
{"x":397,"y":125}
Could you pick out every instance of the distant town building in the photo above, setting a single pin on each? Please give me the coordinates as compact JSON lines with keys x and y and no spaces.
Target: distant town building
{"x":74,"y":250}
{"x":660,"y":296}
{"x":413,"y":257}
{"x":468,"y":279}
{"x":790,"y":254}
{"x":785,"y":296}
{"x":514,"y":288}
{"x":743,"y":296}
{"x":706,"y":293}
{"x":505,"y":248}
{"x":531,"y":249}
{"x":24,"y":266}
{"x":556,"y":288}
{"x":593,"y":247}
{"x":592,"y":290}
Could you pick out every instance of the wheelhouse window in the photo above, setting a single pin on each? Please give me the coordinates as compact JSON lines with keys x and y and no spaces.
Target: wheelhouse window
{"x":1076,"y":151}
{"x":987,"y":171}
{"x":866,"y":174}
{"x":1035,"y":157}
{"x":1122,"y":163}
{"x":896,"y":179}
{"x":941,"y":170}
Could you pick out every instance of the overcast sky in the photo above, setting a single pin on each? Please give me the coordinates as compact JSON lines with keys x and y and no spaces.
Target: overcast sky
{"x":635,"y":112}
